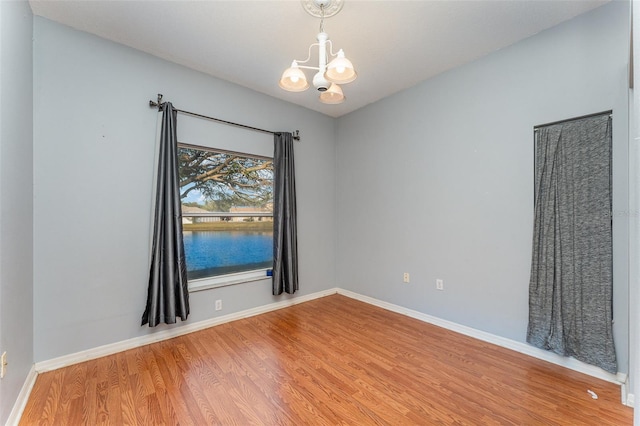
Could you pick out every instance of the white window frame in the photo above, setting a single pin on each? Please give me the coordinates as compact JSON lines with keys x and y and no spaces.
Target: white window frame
{"x":207,"y":283}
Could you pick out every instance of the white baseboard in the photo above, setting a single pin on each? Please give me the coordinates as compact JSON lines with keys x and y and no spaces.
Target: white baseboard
{"x":135,"y":342}
{"x":23,"y":397}
{"x":524,"y":348}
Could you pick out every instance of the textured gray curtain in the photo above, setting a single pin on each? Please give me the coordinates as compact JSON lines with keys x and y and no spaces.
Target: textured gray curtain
{"x":570,"y":292}
{"x":168,"y":294}
{"x":285,"y":240}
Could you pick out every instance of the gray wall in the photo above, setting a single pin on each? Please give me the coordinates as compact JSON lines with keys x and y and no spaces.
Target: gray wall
{"x":16,"y":199}
{"x":438,"y":180}
{"x":94,"y":138}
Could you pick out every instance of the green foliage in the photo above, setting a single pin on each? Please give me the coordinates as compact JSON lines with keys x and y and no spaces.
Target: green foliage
{"x":225,"y":179}
{"x":218,"y":205}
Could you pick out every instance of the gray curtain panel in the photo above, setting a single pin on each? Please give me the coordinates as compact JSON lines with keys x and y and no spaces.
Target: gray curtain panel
{"x":571,"y":287}
{"x":168,"y":293}
{"x":285,"y":239}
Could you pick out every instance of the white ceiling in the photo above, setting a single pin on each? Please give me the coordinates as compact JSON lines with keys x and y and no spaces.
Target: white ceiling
{"x":392,"y":44}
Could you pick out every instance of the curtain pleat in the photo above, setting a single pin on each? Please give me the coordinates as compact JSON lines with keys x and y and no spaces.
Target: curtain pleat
{"x":285,"y":242}
{"x":571,"y":286}
{"x":168,"y":292}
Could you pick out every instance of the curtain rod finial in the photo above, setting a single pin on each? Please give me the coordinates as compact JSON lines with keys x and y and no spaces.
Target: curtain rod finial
{"x":158,"y":104}
{"x":296,"y":135}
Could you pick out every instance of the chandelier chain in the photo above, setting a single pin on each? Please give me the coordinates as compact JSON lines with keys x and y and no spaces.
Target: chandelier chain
{"x":321,"y":18}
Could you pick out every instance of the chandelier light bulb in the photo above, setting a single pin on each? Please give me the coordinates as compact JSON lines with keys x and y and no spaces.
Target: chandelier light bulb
{"x":340,"y":70}
{"x":333,"y":95}
{"x":293,"y":79}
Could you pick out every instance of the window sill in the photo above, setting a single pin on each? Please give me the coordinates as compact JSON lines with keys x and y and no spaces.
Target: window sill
{"x":227,"y":280}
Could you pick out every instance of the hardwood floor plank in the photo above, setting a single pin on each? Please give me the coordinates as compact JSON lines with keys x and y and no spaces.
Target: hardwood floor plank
{"x":89,"y":408}
{"x":330,"y":361}
{"x":53,"y":400}
{"x":175,"y":389}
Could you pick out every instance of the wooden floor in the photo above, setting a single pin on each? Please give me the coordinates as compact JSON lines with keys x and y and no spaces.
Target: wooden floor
{"x":330,"y":361}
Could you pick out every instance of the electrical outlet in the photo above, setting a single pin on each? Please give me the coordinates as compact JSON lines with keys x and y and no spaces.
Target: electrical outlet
{"x":218,"y":305}
{"x":439,"y":284}
{"x":3,"y":364}
{"x":405,"y":277}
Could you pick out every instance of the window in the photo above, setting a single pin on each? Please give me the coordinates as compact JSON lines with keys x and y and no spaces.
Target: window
{"x":227,"y":215}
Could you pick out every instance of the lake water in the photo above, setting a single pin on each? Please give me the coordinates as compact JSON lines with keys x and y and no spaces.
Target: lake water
{"x":224,"y":252}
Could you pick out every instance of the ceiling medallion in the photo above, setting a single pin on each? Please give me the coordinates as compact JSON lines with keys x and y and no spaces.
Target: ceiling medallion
{"x":322,"y":8}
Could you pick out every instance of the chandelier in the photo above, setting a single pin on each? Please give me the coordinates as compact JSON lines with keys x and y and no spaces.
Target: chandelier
{"x":328,"y":76}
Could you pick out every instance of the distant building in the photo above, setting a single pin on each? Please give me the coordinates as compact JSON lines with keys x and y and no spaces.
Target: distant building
{"x":195,"y":210}
{"x":247,"y":209}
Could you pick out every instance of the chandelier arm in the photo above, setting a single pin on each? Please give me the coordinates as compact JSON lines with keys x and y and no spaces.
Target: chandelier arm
{"x":309,"y":56}
{"x":305,"y":67}
{"x":331,"y":48}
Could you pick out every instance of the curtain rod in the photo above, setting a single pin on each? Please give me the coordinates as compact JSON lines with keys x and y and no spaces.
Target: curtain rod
{"x":158,"y":104}
{"x":610,"y":113}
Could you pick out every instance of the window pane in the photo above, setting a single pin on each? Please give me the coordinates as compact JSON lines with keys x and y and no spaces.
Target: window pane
{"x":227,"y":206}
